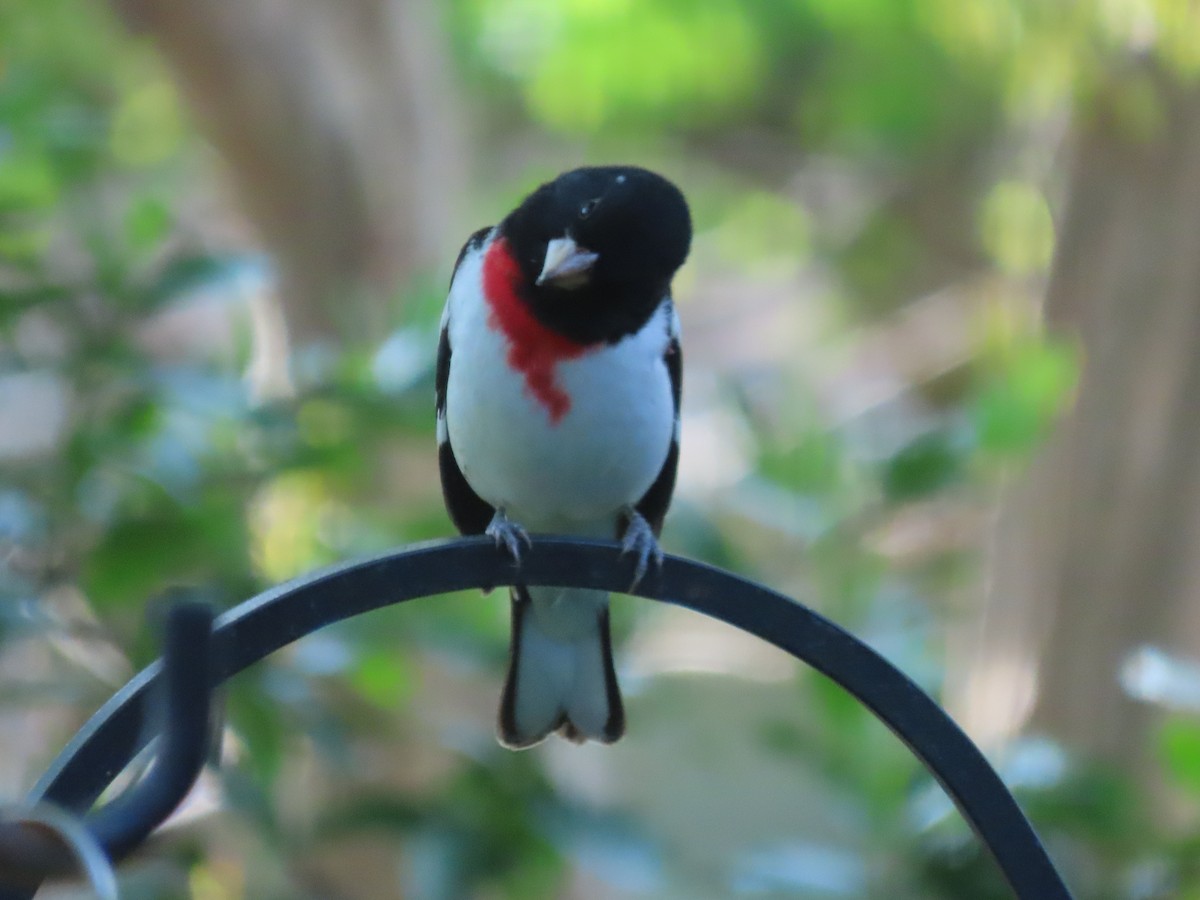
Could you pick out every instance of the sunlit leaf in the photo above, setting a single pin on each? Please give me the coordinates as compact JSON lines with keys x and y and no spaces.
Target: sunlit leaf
{"x":147,"y":222}
{"x":1179,"y":748}
{"x":762,"y":225}
{"x":1016,"y":228}
{"x":27,"y":181}
{"x":383,"y":677}
{"x":592,"y":64}
{"x":1017,"y":405}
{"x":1178,"y":35}
{"x":287,"y":518}
{"x":148,"y":126}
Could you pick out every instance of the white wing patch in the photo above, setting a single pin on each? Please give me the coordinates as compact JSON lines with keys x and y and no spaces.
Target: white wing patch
{"x":469,"y":269}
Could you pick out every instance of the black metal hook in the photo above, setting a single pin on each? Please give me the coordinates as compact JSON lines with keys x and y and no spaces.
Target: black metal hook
{"x":264,"y":624}
{"x":31,"y":852}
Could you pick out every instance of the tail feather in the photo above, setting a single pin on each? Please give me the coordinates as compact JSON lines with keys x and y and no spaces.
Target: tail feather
{"x":560,"y":676}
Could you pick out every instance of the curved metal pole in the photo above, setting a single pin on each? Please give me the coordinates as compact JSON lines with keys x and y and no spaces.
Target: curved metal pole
{"x":279,"y":616}
{"x":124,"y":823}
{"x":30,"y":851}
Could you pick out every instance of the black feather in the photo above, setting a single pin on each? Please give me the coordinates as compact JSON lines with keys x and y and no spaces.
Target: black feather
{"x":638,"y":223}
{"x":441,"y":376}
{"x":469,"y":512}
{"x":654,"y":503}
{"x":506,"y":724}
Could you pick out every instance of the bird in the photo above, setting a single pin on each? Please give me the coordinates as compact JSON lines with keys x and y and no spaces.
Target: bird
{"x":558,"y":384}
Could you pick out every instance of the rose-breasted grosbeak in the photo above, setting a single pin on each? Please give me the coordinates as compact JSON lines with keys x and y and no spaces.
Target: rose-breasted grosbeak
{"x":558,"y":382}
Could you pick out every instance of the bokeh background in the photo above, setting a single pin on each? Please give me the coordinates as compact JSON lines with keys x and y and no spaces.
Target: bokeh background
{"x":942,"y":339}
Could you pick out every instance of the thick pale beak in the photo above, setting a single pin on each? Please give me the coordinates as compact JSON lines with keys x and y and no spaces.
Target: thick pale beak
{"x":567,"y":264}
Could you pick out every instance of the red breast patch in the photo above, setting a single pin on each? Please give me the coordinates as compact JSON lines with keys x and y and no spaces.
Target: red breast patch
{"x":533,"y":349}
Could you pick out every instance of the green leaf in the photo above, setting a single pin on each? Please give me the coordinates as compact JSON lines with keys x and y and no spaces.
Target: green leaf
{"x":258,"y":722}
{"x":164,"y":547}
{"x":1016,"y":228}
{"x":147,"y":222}
{"x":24,"y":245}
{"x":181,"y":274}
{"x":839,"y":712}
{"x":27,"y":182}
{"x":375,"y":811}
{"x":688,"y":64}
{"x":147,"y":127}
{"x":811,"y":465}
{"x":924,"y":467}
{"x":1015,"y":409}
{"x":383,"y":678}
{"x":139,"y":557}
{"x":1179,"y":749}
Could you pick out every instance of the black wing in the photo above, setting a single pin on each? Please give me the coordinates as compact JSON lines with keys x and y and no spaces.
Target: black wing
{"x":469,"y":512}
{"x":654,"y":503}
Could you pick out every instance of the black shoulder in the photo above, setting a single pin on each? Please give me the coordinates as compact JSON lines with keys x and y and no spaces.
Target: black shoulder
{"x":474,"y":242}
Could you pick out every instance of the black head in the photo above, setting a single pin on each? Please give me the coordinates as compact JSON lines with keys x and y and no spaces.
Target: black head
{"x":598,"y":248}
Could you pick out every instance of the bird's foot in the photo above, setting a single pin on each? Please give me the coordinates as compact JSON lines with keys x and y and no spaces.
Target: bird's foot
{"x":508,"y":534}
{"x":639,"y":540}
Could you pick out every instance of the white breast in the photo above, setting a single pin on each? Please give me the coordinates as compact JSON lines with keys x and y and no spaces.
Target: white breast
{"x":574,"y":475}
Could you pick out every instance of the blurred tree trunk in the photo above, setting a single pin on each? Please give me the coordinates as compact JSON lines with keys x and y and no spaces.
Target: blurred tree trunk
{"x":338,"y":123}
{"x":1096,"y":549}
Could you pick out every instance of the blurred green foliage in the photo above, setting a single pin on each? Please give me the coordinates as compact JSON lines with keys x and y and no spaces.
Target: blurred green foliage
{"x":166,"y":472}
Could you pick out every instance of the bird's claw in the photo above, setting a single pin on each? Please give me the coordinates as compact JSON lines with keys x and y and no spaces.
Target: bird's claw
{"x":508,"y":534}
{"x":639,"y":540}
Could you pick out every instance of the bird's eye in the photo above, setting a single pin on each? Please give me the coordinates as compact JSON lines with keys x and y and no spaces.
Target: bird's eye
{"x":587,"y":208}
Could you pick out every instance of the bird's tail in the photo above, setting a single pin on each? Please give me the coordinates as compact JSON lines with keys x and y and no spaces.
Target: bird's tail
{"x":560,"y":669}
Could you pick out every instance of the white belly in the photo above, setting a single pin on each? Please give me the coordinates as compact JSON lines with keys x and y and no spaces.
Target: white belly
{"x":574,"y":475}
